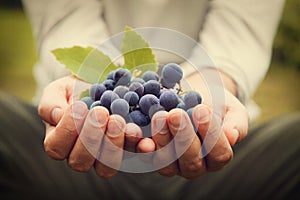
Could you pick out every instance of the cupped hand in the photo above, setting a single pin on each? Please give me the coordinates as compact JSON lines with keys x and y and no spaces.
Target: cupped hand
{"x":96,"y":139}
{"x":85,"y":138}
{"x":190,"y":152}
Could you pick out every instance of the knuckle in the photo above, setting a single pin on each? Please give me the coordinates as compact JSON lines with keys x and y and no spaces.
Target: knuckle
{"x":184,"y":140}
{"x":218,"y":162}
{"x":167,"y":172}
{"x":53,"y":151}
{"x":224,"y":158}
{"x":69,"y":129}
{"x":55,"y":154}
{"x":112,"y":148}
{"x":193,"y":169}
{"x":90,"y":141}
{"x":164,"y":141}
{"x":195,"y":166}
{"x":78,"y":166}
{"x":41,"y":110}
{"x":106,"y":174}
{"x":110,"y":162}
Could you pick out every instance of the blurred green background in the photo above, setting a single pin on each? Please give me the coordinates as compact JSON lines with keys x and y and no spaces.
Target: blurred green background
{"x":278,"y":94}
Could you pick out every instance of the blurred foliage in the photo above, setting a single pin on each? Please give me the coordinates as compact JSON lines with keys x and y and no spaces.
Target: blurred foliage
{"x":17,"y":53}
{"x":278,"y":93}
{"x":287,"y":42}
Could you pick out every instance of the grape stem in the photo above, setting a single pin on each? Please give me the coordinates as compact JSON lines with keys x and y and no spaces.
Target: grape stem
{"x":179,"y":89}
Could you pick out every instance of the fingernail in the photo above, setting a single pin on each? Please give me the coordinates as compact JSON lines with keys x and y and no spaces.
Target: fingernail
{"x":98,"y":118}
{"x":132,"y":130}
{"x":79,"y":110}
{"x":55,"y":114}
{"x":178,"y":121}
{"x":160,"y":125}
{"x":202,"y":115}
{"x":116,"y":126}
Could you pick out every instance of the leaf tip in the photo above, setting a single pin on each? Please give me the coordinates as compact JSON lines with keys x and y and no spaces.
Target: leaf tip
{"x":128,"y":28}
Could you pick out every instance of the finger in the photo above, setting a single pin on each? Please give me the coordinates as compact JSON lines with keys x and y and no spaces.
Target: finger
{"x":236,"y":124}
{"x":133,"y":135}
{"x":165,"y":155}
{"x":60,"y":140}
{"x":145,"y":145}
{"x":187,"y":144}
{"x":87,"y":146}
{"x":216,"y":147}
{"x":54,"y":100}
{"x":145,"y":148}
{"x":111,"y":152}
{"x":202,"y":117}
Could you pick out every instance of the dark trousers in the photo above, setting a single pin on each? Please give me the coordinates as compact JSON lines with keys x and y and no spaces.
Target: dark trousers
{"x":266,"y":166}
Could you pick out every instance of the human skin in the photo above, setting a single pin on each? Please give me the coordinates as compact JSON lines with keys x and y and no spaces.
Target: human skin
{"x":233,"y":126}
{"x":70,"y":127}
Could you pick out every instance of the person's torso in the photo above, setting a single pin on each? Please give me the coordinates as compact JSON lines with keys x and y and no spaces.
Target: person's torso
{"x":183,"y":16}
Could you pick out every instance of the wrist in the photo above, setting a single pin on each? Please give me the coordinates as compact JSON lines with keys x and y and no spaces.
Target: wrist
{"x":227,"y":82}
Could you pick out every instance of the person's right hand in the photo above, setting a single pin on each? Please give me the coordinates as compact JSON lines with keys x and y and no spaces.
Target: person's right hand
{"x":86,"y":138}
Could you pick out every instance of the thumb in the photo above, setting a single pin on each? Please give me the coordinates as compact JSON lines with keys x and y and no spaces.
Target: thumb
{"x":235,"y":125}
{"x":54,"y":100}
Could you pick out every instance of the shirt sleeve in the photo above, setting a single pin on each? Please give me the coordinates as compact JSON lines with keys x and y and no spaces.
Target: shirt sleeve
{"x":64,"y":23}
{"x":238,"y":37}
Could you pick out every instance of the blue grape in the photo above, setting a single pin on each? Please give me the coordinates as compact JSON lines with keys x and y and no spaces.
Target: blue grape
{"x":147,"y":101}
{"x":138,"y":80}
{"x":137,"y":88}
{"x":139,"y":118}
{"x":169,"y":100}
{"x":96,"y":90}
{"x":181,"y":106}
{"x":160,"y":92}
{"x":109,"y":84}
{"x":138,"y":100}
{"x":132,"y":98}
{"x":150,"y":75}
{"x":96,"y":103}
{"x":122,"y":76}
{"x":120,"y":107}
{"x":172,"y":73}
{"x":152,"y":87}
{"x":110,"y":75}
{"x":167,"y":84}
{"x":107,"y":98}
{"x":191,"y":99}
{"x":121,"y":90}
{"x":88,"y":101}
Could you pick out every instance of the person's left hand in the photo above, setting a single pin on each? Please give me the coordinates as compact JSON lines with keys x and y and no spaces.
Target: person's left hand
{"x":175,"y":137}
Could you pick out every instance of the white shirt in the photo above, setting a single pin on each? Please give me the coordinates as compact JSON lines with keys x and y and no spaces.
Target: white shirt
{"x":237,"y":34}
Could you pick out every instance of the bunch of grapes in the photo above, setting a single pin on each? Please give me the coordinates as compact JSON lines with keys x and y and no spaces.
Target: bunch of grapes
{"x":138,"y":99}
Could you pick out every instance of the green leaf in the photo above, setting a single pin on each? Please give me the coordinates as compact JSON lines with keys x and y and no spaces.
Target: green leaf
{"x":137,"y":53}
{"x":87,"y":64}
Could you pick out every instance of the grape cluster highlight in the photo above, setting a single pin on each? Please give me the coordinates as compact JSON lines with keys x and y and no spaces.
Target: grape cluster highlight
{"x":138,"y":99}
